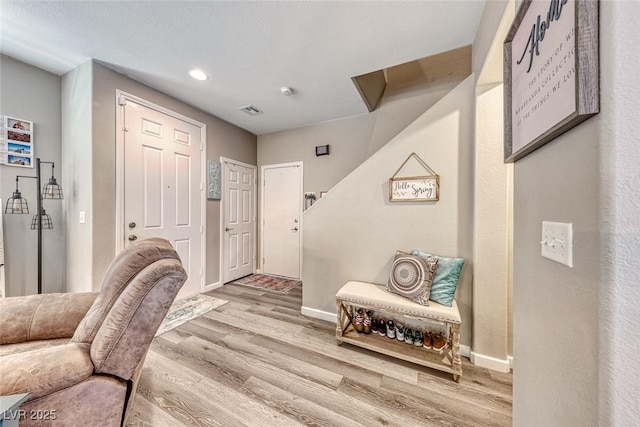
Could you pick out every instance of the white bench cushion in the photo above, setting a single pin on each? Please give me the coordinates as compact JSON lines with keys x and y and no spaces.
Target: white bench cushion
{"x":376,"y":296}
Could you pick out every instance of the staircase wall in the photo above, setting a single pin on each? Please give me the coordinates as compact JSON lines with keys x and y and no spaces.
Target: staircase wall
{"x":353,"y":232}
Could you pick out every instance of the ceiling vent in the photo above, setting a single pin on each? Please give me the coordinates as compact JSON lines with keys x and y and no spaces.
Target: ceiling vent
{"x":251,"y":110}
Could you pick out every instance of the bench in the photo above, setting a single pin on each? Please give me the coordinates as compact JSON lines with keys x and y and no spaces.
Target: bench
{"x":374,"y":297}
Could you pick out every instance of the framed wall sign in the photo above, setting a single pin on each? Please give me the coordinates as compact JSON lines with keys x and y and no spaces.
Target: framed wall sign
{"x":424,"y":188}
{"x":550,"y":72}
{"x":214,"y":180}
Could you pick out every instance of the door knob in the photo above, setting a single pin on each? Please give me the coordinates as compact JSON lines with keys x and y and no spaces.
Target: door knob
{"x":294,"y":229}
{"x":132,"y":237}
{"x":228,"y":229}
{"x":132,"y":225}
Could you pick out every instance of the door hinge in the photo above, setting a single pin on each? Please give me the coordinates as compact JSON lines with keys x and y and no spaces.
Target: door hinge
{"x":201,"y":186}
{"x":201,"y":229}
{"x":122,"y":100}
{"x":124,"y":129}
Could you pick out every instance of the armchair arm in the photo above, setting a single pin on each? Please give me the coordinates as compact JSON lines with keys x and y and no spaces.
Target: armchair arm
{"x":42,"y":317}
{"x":45,"y":371}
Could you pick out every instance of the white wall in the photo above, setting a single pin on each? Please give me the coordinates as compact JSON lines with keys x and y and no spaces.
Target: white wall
{"x":354,"y":231}
{"x":29,"y":93}
{"x":77,"y":175}
{"x":619,"y":294}
{"x":493,"y":182}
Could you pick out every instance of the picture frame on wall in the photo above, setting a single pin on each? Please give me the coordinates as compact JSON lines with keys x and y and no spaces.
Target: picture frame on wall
{"x":551,"y":72}
{"x":18,"y":142}
{"x":214,"y":180}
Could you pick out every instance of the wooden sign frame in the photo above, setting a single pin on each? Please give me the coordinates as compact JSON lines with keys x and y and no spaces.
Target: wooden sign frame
{"x":560,"y":54}
{"x":424,"y":188}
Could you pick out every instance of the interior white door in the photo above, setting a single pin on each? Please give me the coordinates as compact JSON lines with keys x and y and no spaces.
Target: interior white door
{"x":282,"y":214}
{"x":163,"y":185}
{"x":239,"y":220}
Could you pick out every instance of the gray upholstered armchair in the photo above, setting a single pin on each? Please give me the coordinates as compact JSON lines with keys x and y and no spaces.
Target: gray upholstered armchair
{"x":80,"y":355}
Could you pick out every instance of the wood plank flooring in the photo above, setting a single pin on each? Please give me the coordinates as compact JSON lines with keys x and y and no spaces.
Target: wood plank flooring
{"x":256,"y":361}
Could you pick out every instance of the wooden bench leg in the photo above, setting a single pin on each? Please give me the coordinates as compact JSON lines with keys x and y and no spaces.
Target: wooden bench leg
{"x":343,"y":321}
{"x":455,"y":351}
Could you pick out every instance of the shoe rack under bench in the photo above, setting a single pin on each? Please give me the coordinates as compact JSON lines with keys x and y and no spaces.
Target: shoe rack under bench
{"x":447,"y":361}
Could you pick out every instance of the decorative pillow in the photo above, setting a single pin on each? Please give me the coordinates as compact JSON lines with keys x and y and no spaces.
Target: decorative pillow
{"x":445,"y":281}
{"x":411,"y":277}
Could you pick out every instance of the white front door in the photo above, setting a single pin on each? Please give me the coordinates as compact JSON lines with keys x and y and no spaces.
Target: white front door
{"x":281,"y":220}
{"x":163,"y":185}
{"x":239,"y":219}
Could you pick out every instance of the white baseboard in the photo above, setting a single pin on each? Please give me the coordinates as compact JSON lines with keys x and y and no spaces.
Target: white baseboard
{"x":319,"y":314}
{"x":212,"y":286}
{"x":510,"y":359}
{"x":490,"y":362}
{"x":465,"y":350}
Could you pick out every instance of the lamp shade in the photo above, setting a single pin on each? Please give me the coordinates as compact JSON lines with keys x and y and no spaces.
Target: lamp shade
{"x":52,"y":190}
{"x":16,"y":204}
{"x":46,"y":222}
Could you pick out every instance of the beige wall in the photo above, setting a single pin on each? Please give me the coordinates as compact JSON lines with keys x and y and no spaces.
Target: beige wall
{"x":223,"y":139}
{"x":354,"y":231}
{"x":29,"y":93}
{"x":575,"y":329}
{"x":352,"y":140}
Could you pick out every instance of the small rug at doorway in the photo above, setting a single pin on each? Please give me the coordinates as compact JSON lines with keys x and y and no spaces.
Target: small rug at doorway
{"x":269,"y":283}
{"x":181,"y":311}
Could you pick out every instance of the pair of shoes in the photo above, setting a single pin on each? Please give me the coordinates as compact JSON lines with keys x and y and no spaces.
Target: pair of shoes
{"x":418,"y":339}
{"x":367,"y":321}
{"x":399,"y":332}
{"x":408,"y":336}
{"x":358,"y":320}
{"x":439,"y":342}
{"x":382,"y":327}
{"x":391,"y":329}
{"x":428,"y":343}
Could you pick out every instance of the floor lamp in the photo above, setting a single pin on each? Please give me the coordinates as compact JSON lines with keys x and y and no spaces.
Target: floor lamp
{"x":41,"y":220}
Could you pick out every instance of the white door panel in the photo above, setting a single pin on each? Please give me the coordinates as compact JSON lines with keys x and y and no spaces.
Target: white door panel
{"x":162,"y":185}
{"x":239,"y":219}
{"x":282,"y":215}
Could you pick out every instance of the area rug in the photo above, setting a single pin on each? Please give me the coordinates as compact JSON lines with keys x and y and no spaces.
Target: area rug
{"x":269,"y":283}
{"x":183,"y":310}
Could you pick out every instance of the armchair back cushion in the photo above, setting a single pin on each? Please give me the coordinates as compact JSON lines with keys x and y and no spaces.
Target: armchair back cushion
{"x":42,"y":317}
{"x":127,"y":264}
{"x":123,"y":338}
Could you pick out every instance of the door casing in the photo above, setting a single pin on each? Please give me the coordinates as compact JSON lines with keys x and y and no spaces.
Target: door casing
{"x":222,"y":212}
{"x":262,"y":202}
{"x":120,"y":220}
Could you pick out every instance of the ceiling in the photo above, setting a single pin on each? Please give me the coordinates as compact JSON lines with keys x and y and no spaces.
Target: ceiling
{"x":248,"y":49}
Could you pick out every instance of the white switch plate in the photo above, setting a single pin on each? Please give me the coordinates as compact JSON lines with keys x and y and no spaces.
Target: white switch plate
{"x":557,"y":242}
{"x":82,"y":217}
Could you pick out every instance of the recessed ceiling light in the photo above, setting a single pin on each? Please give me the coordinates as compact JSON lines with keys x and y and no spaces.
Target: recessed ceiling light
{"x":198,"y":75}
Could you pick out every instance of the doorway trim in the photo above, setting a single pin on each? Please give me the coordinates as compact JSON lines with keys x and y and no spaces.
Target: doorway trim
{"x":223,"y":203}
{"x":262,"y":171}
{"x":120,"y":97}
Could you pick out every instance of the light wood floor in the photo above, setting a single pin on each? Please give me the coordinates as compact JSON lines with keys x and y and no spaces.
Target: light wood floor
{"x":257,"y":361}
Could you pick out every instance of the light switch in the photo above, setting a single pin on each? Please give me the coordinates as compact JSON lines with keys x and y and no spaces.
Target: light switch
{"x":82,"y":217}
{"x":557,"y":242}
